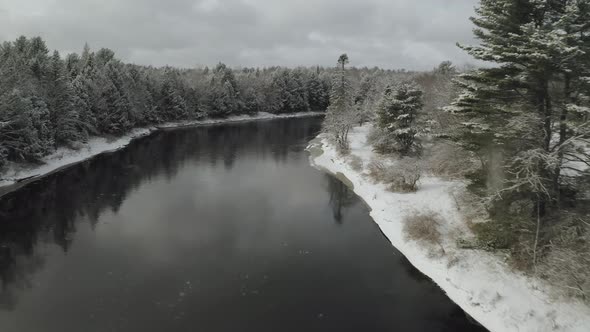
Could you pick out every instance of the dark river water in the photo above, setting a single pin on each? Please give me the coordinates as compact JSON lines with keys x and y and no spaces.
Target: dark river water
{"x":222,"y":228}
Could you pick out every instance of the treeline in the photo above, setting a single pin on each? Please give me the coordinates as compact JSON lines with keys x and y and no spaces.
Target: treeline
{"x":48,"y":101}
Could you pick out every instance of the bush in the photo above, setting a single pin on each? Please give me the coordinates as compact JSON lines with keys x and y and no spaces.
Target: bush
{"x":406,"y":173}
{"x":424,"y":229}
{"x":355,"y":162}
{"x":446,"y":160}
{"x":377,"y":170}
{"x":403,"y":176}
{"x":566,"y":263}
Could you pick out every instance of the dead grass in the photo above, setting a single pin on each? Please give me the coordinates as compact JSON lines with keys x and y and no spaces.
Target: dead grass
{"x":355,"y":162}
{"x":423,"y":227}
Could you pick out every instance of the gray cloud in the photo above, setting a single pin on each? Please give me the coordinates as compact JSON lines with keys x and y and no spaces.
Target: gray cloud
{"x":386,"y":33}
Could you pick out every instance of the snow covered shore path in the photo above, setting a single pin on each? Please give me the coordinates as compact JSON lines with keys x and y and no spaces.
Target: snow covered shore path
{"x":97,"y":145}
{"x":481,"y":283}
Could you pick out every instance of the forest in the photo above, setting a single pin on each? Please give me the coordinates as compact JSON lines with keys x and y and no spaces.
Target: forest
{"x":48,"y":101}
{"x":516,"y":129}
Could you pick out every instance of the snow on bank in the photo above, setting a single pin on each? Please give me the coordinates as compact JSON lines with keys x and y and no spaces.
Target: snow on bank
{"x":479,"y":282}
{"x":97,"y":145}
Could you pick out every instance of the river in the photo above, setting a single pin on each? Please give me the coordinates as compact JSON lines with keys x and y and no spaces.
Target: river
{"x":218,"y":228}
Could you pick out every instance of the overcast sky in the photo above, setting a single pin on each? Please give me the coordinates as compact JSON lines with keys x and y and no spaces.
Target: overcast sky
{"x":411,"y":34}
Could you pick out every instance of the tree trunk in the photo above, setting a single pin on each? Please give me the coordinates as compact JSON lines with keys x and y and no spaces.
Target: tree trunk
{"x":562,"y":139}
{"x":545,"y":110}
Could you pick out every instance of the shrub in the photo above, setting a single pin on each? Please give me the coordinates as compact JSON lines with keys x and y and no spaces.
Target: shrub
{"x":403,"y":176}
{"x":424,"y":229}
{"x":355,"y":162}
{"x":449,"y":161}
{"x":377,"y":170}
{"x":406,"y":174}
{"x":566,"y":263}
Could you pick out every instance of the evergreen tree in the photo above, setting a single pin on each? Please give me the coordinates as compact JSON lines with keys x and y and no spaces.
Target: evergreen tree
{"x":538,"y":46}
{"x":24,"y":127}
{"x":341,"y":114}
{"x":83,"y":102}
{"x":224,"y":92}
{"x":317,"y":92}
{"x":63,"y":114}
{"x":113,"y":107}
{"x":396,"y":115}
{"x":173,"y":105}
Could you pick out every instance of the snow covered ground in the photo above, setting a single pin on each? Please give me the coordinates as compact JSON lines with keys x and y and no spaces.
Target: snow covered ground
{"x":480,"y":282}
{"x":97,"y":145}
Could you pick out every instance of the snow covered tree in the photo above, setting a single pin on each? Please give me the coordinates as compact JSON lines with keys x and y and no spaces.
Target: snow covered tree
{"x":83,"y":102}
{"x":396,"y":115}
{"x":341,"y":114}
{"x":24,"y":127}
{"x":62,"y":111}
{"x":318,"y":93}
{"x":173,"y":105}
{"x":224,"y":96}
{"x":292,"y":91}
{"x":527,"y":118}
{"x":439,"y":90}
{"x":366,"y":98}
{"x":143,"y":106}
{"x":113,"y":111}
{"x":537,"y":45}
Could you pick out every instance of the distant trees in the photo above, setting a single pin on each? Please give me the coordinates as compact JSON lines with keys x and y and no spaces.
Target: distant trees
{"x":48,"y":101}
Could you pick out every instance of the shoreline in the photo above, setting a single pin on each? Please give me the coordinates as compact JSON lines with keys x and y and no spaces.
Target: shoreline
{"x":18,"y":175}
{"x":481,"y":283}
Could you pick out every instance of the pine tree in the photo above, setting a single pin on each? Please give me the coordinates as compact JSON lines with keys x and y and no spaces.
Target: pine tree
{"x":317,"y":93}
{"x":522,"y":108}
{"x":63,"y":114}
{"x":83,"y":102}
{"x":173,"y":105}
{"x":24,"y":127}
{"x":396,"y":115}
{"x":224,"y":95}
{"x":341,"y":114}
{"x":113,"y":107}
{"x":532,"y":52}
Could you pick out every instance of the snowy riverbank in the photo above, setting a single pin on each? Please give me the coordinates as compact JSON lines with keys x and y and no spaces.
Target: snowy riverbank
{"x":481,"y":283}
{"x":97,"y":145}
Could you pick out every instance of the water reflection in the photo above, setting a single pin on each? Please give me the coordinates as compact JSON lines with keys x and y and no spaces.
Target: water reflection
{"x":216,"y":228}
{"x":340,"y":197}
